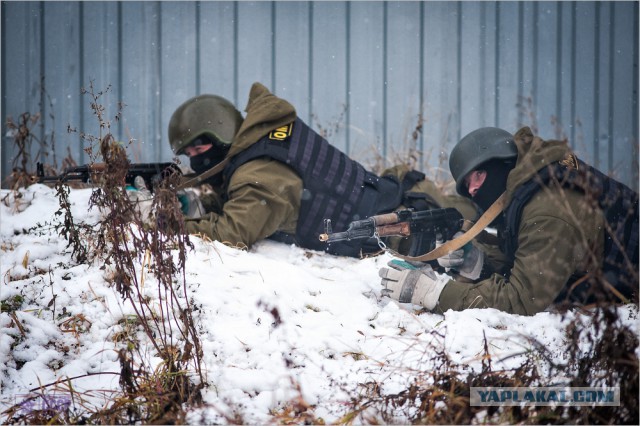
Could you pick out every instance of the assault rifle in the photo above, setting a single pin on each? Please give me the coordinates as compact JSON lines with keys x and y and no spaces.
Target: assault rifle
{"x":424,"y":226}
{"x":152,"y":173}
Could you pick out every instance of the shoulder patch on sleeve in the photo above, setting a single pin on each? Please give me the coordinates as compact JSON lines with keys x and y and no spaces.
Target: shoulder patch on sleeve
{"x":281,"y":133}
{"x":570,"y":162}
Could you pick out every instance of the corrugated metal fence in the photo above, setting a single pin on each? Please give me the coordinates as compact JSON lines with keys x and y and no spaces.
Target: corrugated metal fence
{"x":369,"y":74}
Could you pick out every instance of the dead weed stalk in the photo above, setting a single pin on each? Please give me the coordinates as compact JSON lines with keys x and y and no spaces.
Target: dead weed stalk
{"x":129,"y":246}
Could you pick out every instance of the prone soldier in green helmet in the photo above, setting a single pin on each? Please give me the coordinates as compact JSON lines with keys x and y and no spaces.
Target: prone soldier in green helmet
{"x":274,"y":177}
{"x":567,"y":233}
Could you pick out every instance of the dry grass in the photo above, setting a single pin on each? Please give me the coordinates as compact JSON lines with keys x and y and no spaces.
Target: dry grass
{"x":148,"y":395}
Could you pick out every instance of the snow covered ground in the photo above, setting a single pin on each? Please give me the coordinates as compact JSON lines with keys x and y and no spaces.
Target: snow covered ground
{"x":277,"y":321}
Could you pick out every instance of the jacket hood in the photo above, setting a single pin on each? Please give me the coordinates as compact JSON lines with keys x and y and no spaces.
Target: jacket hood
{"x":534,"y":153}
{"x":265,"y":112}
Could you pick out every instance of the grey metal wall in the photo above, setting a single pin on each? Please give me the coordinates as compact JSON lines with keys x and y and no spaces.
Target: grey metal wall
{"x":367,"y":73}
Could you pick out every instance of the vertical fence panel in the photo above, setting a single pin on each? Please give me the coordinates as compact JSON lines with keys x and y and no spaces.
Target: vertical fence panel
{"x":506,"y":66}
{"x":141,"y":74}
{"x":21,"y":75}
{"x":178,"y":59}
{"x":624,"y":145}
{"x":217,"y":46}
{"x":585,"y":82}
{"x":489,"y":31}
{"x":472,"y":83}
{"x":402,"y":85}
{"x":255,"y":45}
{"x":329,"y":82}
{"x":440,"y":74}
{"x":292,"y":53}
{"x":603,"y":59}
{"x":635,"y":172}
{"x":564,"y":72}
{"x":99,"y":26}
{"x":527,"y":72}
{"x":62,"y":72}
{"x":547,"y":66}
{"x":366,"y":81}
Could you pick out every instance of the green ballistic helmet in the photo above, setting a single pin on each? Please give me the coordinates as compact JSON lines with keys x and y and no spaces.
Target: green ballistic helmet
{"x":478,"y":147}
{"x":203,"y":115}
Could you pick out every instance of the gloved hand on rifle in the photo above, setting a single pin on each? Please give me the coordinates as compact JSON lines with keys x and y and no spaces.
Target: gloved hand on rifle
{"x":190,"y":203}
{"x":406,"y":283}
{"x":467,"y":260}
{"x":139,"y":194}
{"x":141,"y":198}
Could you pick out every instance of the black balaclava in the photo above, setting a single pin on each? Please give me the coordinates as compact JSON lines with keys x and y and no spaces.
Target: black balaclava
{"x":205,"y":161}
{"x":494,"y":184}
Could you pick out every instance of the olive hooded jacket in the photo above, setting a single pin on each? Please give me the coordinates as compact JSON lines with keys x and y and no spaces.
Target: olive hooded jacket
{"x":560,"y":234}
{"x":263,"y":195}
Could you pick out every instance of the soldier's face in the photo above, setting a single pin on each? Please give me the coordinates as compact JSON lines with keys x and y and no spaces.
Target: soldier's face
{"x":474,"y":181}
{"x":192,"y":151}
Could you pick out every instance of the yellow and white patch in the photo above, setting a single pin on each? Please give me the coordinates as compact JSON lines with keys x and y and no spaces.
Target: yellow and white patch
{"x":570,"y":161}
{"x":281,"y":133}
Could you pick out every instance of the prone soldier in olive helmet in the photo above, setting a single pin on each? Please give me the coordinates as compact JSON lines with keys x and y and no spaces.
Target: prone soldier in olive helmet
{"x":568,"y":234}
{"x":274,"y":177}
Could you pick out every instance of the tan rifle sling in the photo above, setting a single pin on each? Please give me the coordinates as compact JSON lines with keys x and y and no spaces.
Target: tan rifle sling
{"x":189,"y":181}
{"x":452,"y":245}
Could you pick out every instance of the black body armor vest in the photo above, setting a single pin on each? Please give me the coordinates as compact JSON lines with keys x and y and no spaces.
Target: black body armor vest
{"x":335,"y":187}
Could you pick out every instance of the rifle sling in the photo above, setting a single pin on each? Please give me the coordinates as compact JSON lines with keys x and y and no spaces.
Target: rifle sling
{"x":202,"y":177}
{"x":452,"y":245}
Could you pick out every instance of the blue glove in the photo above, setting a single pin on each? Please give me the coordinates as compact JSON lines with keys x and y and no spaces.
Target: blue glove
{"x":184,"y":202}
{"x":403,"y":264}
{"x":190,"y":204}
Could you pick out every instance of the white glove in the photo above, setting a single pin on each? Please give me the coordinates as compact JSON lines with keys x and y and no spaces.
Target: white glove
{"x":467,"y":260}
{"x":142,"y":199}
{"x":190,"y":204}
{"x":404,"y":283}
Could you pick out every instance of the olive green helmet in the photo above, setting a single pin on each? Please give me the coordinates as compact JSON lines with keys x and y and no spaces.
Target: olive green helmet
{"x":204,"y":115}
{"x":478,"y":147}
